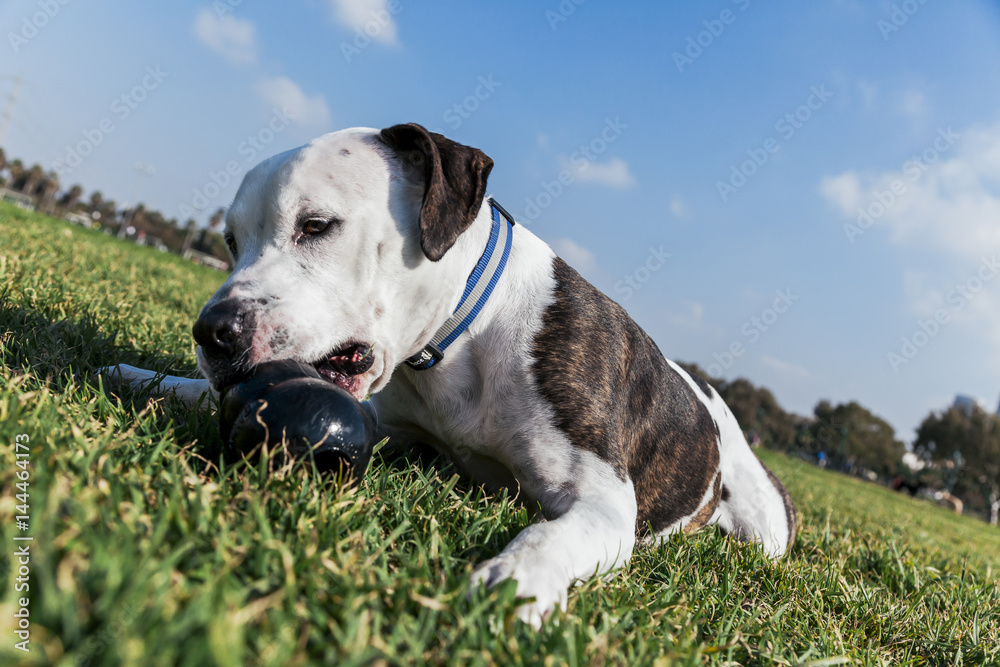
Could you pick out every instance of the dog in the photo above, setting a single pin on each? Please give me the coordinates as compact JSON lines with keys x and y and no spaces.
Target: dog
{"x":369,"y":238}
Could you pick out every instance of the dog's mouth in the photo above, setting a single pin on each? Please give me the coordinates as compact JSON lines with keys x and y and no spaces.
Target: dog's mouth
{"x":344,"y":366}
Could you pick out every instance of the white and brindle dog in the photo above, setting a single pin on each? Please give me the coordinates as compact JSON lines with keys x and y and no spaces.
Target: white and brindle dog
{"x":368,"y":238}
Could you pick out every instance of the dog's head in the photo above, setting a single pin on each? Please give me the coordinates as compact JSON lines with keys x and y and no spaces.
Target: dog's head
{"x":341,"y":255}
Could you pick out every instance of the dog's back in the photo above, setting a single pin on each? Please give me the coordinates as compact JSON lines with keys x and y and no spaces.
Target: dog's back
{"x":615,"y":394}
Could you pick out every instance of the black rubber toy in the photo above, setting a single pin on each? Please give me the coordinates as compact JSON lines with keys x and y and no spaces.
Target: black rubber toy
{"x":286,"y":399}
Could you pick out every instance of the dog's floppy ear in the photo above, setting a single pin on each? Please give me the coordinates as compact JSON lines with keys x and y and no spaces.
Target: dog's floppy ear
{"x":454,"y":182}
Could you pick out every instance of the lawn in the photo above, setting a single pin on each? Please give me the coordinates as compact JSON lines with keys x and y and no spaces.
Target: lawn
{"x":148,"y":549}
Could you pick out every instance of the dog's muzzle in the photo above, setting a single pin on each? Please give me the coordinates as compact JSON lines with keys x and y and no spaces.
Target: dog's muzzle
{"x":224,"y":331}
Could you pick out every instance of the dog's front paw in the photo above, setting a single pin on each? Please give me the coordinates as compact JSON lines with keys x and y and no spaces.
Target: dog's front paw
{"x":545,"y":582}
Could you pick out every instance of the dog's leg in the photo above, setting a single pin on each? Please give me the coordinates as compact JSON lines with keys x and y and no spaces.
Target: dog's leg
{"x":754,"y":505}
{"x":190,"y":392}
{"x":595,"y":533}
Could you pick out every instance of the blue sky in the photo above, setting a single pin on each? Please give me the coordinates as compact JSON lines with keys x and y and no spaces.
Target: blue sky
{"x":706,"y":164}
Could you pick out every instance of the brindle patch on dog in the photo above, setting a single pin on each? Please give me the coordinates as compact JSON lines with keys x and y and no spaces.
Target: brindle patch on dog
{"x":615,"y":395}
{"x":704,"y":515}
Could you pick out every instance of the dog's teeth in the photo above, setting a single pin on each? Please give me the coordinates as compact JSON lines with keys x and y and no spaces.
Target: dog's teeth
{"x":341,"y":366}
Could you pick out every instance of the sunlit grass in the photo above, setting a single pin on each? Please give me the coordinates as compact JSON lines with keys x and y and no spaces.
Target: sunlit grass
{"x":149,"y":550}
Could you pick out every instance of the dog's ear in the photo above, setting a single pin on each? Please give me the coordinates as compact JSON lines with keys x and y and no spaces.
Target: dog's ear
{"x":454,"y":182}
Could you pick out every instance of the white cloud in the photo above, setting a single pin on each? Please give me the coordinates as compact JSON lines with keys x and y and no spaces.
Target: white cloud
{"x":234,"y":38}
{"x":691,"y":317}
{"x":869,"y":93}
{"x":969,"y":299}
{"x":843,"y":190}
{"x":785,"y":369}
{"x":614,"y":173}
{"x":678,"y":207}
{"x":371,"y":17}
{"x":282,"y":93}
{"x":575,"y":255}
{"x":913,"y":103}
{"x":945,"y":197}
{"x":943,"y":201}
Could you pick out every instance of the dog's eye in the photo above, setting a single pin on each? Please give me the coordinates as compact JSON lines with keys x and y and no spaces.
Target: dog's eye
{"x":231,"y":244}
{"x":314,"y":226}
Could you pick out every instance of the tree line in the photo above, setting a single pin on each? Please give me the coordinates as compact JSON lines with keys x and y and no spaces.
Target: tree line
{"x":956,"y":451}
{"x":48,"y":196}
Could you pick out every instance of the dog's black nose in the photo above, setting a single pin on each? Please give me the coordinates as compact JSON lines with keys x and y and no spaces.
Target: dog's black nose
{"x":219,"y":328}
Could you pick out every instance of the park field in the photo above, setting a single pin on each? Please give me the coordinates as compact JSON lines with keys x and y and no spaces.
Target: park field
{"x":148,"y":550}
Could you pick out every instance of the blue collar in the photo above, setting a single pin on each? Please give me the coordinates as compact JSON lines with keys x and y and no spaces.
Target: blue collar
{"x":478,"y":288}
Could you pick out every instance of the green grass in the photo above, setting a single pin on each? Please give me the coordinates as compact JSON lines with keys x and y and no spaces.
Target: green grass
{"x":148,"y":550}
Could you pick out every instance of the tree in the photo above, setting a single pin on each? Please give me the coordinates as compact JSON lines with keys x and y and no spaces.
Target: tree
{"x":975,"y":436}
{"x":217,"y":219}
{"x":71,"y":198}
{"x":16,"y":170}
{"x":190,"y":227}
{"x":96,"y":202}
{"x":106,"y":211}
{"x":48,"y":189}
{"x":755,"y":408}
{"x":134,"y":214}
{"x":853,"y":436}
{"x":33,"y":178}
{"x":212,"y":243}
